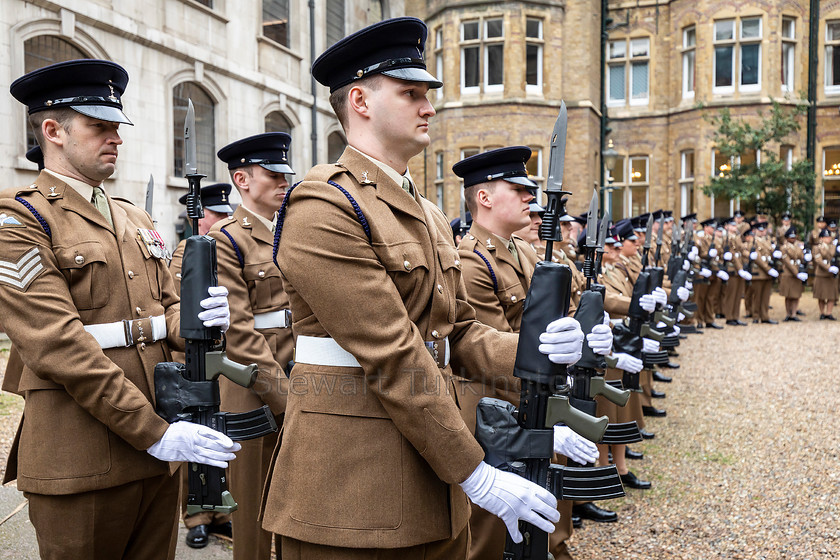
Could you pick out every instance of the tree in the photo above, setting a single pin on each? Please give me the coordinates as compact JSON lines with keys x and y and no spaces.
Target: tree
{"x":769,"y":187}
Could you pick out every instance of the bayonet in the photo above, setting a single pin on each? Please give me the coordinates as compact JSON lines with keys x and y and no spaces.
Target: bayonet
{"x":589,"y":269}
{"x":646,"y":246}
{"x":602,"y":239}
{"x":194,"y":209}
{"x":463,"y":220}
{"x":550,"y":228}
{"x":150,"y":196}
{"x":658,"y":253}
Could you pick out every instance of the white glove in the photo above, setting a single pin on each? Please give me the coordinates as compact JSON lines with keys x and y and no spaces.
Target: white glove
{"x":660,"y":295}
{"x":675,"y":327}
{"x":600,"y":340}
{"x":648,"y":302}
{"x":745,"y":275}
{"x":777,"y":254}
{"x":832,"y":269}
{"x":686,"y":265}
{"x":705,"y":272}
{"x":727,"y":256}
{"x":838,"y":248}
{"x":627,"y":362}
{"x":511,"y":498}
{"x":661,"y":325}
{"x":753,"y":255}
{"x":803,"y":276}
{"x":689,"y":285}
{"x":722,"y":275}
{"x":606,"y":318}
{"x":682,"y":293}
{"x":649,"y":346}
{"x":680,"y":317}
{"x":808,"y":257}
{"x":694,"y":251}
{"x":186,"y":441}
{"x":713,"y":252}
{"x":575,"y":447}
{"x":773,"y":272}
{"x":216,"y":311}
{"x":562,"y":341}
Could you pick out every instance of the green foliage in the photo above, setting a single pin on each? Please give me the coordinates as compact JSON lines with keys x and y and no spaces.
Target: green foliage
{"x":767,"y":187}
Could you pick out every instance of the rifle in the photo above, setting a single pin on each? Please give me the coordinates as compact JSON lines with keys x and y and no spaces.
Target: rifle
{"x":463,"y":226}
{"x":587,"y":374}
{"x":749,"y":266}
{"x":646,"y":246}
{"x":658,"y":255}
{"x":544,"y":399}
{"x":674,"y":261}
{"x":190,"y":391}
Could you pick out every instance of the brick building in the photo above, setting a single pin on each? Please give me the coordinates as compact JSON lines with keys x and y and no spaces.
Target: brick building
{"x":507,"y":65}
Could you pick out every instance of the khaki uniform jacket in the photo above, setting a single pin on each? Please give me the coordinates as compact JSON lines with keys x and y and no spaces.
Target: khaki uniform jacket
{"x":89,"y":413}
{"x":375,"y":461}
{"x":631,"y":266}
{"x":763,"y":263}
{"x":253,"y":287}
{"x":789,"y":285}
{"x":822,"y":260}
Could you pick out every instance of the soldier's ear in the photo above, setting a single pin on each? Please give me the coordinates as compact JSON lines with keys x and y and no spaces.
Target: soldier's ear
{"x":52,"y":131}
{"x":357,"y":101}
{"x":240,"y":179}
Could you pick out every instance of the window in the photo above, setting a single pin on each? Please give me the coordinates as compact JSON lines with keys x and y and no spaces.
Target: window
{"x":439,"y":60}
{"x":335,"y":21}
{"x":638,"y":191}
{"x":748,"y":44}
{"x":721,"y":166}
{"x":831,"y":182}
{"x":42,"y":51}
{"x":205,"y":128}
{"x":208,"y":3}
{"x":439,"y":178}
{"x":533,"y":55}
{"x":788,"y":53}
{"x":832,"y":56}
{"x":688,"y":62}
{"x":335,"y":146}
{"x":786,"y":156}
{"x":636,"y":61}
{"x":275,"y":21}
{"x":686,"y":182}
{"x":482,"y":55}
{"x":276,"y":122}
{"x":534,"y":167}
{"x":616,"y":186}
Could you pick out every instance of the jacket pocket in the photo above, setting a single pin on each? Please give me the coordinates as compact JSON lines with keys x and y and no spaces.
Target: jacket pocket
{"x":85,"y":267}
{"x":264,"y":285}
{"x":61,"y":440}
{"x":154,"y":273}
{"x":450,"y":264}
{"x":407,"y":265}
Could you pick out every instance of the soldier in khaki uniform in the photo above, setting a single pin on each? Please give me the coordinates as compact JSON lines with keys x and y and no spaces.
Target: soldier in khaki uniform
{"x":735,"y":255}
{"x":825,"y":276}
{"x":375,"y":458}
{"x":215,"y":201}
{"x":497,"y":267}
{"x":91,"y":309}
{"x":704,"y":281}
{"x":784,"y":226}
{"x":260,"y":329}
{"x":814,"y":236}
{"x":793,"y":278}
{"x":763,"y":275}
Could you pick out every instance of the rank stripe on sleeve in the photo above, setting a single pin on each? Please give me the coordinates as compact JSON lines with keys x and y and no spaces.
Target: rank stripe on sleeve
{"x":20,"y":274}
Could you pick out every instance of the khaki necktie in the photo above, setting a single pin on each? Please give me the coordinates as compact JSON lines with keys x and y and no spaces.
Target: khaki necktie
{"x":100,"y":201}
{"x":406,"y":185}
{"x":513,"y":253}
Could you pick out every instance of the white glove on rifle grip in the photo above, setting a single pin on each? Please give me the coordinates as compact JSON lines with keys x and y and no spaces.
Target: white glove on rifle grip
{"x":627,"y":362}
{"x":727,"y":256}
{"x":803,"y":276}
{"x":661,"y":296}
{"x":744,"y":274}
{"x":808,"y":257}
{"x":773,"y":272}
{"x":600,"y":339}
{"x":187,"y":441}
{"x":777,"y":254}
{"x":216,"y":310}
{"x":686,"y":265}
{"x":648,"y":302}
{"x":575,"y":447}
{"x":705,"y":272}
{"x":649,"y":346}
{"x":562,"y":341}
{"x":833,"y":270}
{"x":510,"y":497}
{"x":712,"y":252}
{"x":753,"y":255}
{"x":722,"y":274}
{"x":683,"y":293}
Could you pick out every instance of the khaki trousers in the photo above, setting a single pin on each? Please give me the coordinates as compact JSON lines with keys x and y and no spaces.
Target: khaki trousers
{"x":761,"y":299}
{"x":137,"y":520}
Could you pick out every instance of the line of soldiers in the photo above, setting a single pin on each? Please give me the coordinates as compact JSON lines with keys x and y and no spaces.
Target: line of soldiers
{"x":375,"y":336}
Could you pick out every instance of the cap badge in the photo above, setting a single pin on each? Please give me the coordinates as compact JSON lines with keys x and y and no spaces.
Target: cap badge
{"x":113,"y":96}
{"x":245,"y":221}
{"x":365,"y":180}
{"x":52,"y":192}
{"x":489,"y":244}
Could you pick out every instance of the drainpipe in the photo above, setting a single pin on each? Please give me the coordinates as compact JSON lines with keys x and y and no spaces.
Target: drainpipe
{"x":313,"y":86}
{"x":813,"y":45}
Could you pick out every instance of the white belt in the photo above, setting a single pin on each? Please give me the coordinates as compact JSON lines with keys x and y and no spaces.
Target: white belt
{"x":128,"y":333}
{"x":327,"y":352}
{"x":281,"y":319}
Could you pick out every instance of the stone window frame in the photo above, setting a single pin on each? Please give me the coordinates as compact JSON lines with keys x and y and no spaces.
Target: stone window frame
{"x":203,"y":150}
{"x":635,"y":185}
{"x":440,"y":160}
{"x":617,"y":182}
{"x":689,"y":61}
{"x":628,"y":61}
{"x":334,"y":28}
{"x":830,"y":162}
{"x":788,"y":62}
{"x":737,"y":42}
{"x":535,"y":42}
{"x":438,"y":54}
{"x":832,"y":47}
{"x":719,"y":170}
{"x":687,"y":181}
{"x":534,"y":166}
{"x":267,"y":25}
{"x":483,"y":44}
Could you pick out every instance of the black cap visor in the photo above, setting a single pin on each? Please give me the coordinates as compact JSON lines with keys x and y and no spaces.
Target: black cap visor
{"x":221,"y":208}
{"x":103,"y":113}
{"x":278,"y":168}
{"x":518,"y":180}
{"x":413,"y":75}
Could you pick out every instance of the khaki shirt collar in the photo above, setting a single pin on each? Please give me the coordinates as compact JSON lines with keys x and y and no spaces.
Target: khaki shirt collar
{"x":266,"y":222}
{"x":392,"y":173}
{"x":84,"y":190}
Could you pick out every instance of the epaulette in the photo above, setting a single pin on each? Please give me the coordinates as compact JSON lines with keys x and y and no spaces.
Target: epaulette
{"x":121,"y":199}
{"x":236,"y":250}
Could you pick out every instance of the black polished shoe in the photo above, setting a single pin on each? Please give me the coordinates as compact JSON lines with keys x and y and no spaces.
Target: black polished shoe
{"x":719,"y":316}
{"x":646,"y":435}
{"x":631,"y":481}
{"x":594,"y":513}
{"x":577,"y":522}
{"x":674,"y":353}
{"x":654,"y":394}
{"x":662,"y":378}
{"x":670,"y":365}
{"x":799,"y":312}
{"x":713,"y":326}
{"x":224,"y":529}
{"x":770,"y":321}
{"x":756,"y":321}
{"x":830,"y":317}
{"x":650,"y":411}
{"x":630,"y":454}
{"x":793,"y":318}
{"x":198,"y":536}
